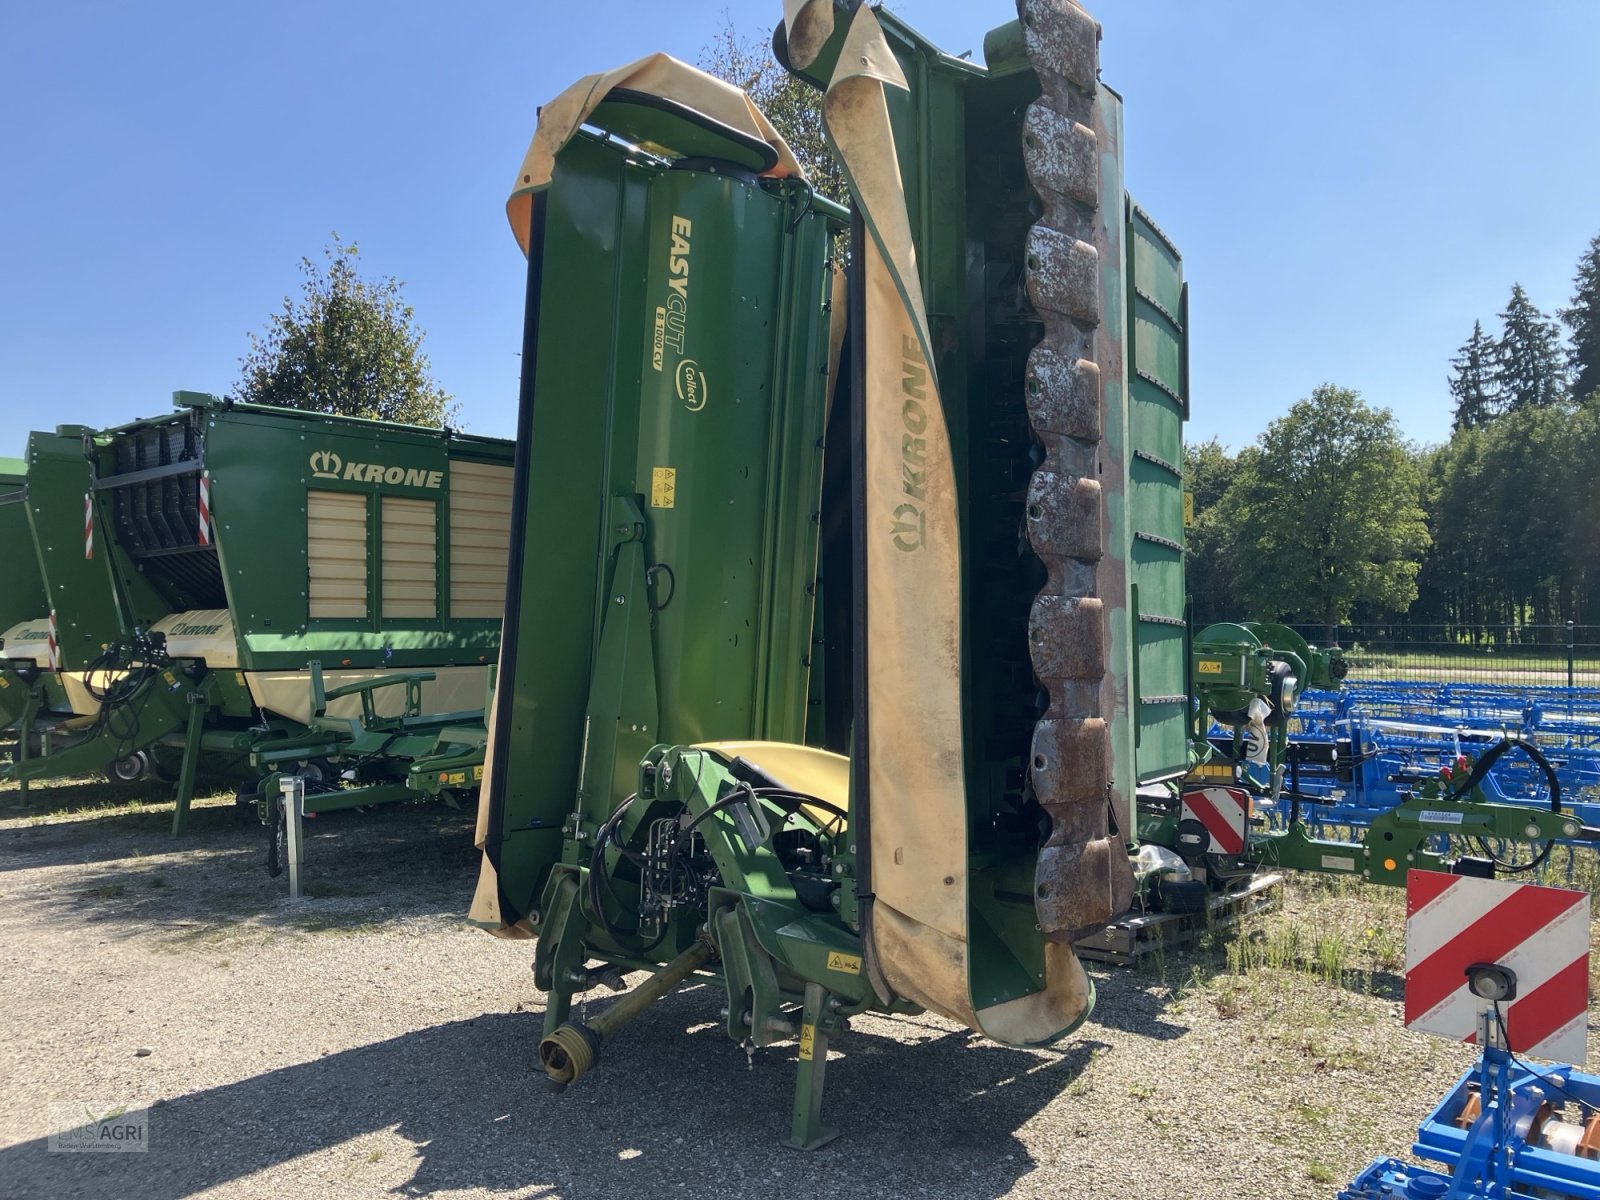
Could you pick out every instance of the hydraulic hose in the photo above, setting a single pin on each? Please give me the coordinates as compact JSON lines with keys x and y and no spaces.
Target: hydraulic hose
{"x":1481,"y":768}
{"x":1480,"y":772}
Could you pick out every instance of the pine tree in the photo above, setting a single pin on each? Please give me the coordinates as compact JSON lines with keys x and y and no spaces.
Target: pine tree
{"x":1530,"y":372}
{"x":1583,"y":318}
{"x":1473,"y":384}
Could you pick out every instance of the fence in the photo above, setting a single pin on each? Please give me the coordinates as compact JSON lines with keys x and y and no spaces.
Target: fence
{"x":1529,"y":655}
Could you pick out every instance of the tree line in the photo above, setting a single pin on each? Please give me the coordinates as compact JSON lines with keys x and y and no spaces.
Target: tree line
{"x":1332,"y":517}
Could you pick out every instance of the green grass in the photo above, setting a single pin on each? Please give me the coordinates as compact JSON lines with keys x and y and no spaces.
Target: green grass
{"x":1424,"y":665}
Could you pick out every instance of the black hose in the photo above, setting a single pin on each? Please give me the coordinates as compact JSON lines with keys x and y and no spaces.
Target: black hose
{"x":1480,"y":772}
{"x":598,"y":879}
{"x":137,"y":661}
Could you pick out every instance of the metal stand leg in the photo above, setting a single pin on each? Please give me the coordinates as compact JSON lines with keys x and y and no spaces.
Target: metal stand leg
{"x":807,"y":1132}
{"x":1495,"y":1089}
{"x":191,"y":756}
{"x":293,"y":790}
{"x":24,"y":737}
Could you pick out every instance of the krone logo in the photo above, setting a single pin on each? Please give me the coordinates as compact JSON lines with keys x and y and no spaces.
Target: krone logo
{"x":691,"y":382}
{"x":325,"y":464}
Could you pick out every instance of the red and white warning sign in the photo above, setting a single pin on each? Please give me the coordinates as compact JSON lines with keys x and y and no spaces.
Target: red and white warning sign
{"x":1541,"y":934}
{"x":1224,"y":811}
{"x":88,"y":524}
{"x":205,"y":508}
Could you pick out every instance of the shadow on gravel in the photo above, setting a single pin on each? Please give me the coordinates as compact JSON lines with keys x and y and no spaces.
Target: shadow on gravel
{"x":67,"y":795}
{"x":1126,"y":1001}
{"x":665,"y":1107}
{"x":124,"y":874}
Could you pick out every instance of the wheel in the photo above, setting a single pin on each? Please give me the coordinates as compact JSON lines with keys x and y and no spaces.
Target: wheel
{"x":132,"y":769}
{"x":1189,"y":896}
{"x":277,"y":840}
{"x":166,"y":765}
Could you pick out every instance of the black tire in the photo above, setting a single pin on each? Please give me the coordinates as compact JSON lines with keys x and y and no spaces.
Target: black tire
{"x":135,"y":768}
{"x":277,"y":841}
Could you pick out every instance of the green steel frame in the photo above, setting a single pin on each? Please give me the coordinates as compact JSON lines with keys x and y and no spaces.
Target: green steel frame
{"x":701,"y":585}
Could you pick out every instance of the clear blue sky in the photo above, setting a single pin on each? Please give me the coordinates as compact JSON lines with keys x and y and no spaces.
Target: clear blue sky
{"x":1351,"y":184}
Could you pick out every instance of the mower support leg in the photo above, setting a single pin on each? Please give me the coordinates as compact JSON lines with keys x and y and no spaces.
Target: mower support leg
{"x":560,"y":968}
{"x":24,"y":737}
{"x":807,"y":1132}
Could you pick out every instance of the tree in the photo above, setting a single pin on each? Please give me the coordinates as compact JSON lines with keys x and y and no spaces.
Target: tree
{"x":346,"y":347}
{"x":1208,"y":472}
{"x":793,"y":106}
{"x":1583,"y":318}
{"x":1327,"y":513}
{"x":1529,"y":370}
{"x":1473,"y":383}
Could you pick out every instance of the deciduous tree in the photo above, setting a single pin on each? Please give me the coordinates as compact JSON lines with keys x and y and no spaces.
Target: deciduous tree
{"x":1208,"y":472}
{"x":793,"y":107}
{"x":348,"y":346}
{"x":1326,"y":513}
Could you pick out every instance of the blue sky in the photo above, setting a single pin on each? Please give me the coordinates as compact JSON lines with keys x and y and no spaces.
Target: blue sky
{"x":1352,"y":185}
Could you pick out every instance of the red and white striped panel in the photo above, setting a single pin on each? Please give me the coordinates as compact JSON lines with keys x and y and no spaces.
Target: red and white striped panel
{"x":1540,"y":933}
{"x":88,"y":524}
{"x":205,"y":508}
{"x":50,"y":644}
{"x":1224,"y":811}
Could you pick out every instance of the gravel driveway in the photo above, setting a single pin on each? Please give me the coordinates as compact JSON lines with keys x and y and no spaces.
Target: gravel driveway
{"x":366,"y":1042}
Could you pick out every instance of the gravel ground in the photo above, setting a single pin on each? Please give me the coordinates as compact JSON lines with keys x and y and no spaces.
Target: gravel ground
{"x":366,"y":1042}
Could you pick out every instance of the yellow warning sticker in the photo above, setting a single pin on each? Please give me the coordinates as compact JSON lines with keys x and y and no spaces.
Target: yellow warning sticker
{"x":808,"y":1034}
{"x":477,"y":773}
{"x":238,"y":677}
{"x":847,"y":964}
{"x":1208,"y":666}
{"x":4,"y":683}
{"x":663,"y":487}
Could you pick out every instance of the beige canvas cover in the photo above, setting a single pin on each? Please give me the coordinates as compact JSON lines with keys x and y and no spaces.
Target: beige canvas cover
{"x":288,"y":693}
{"x":79,"y":699}
{"x":485,"y":909}
{"x":918,"y":935}
{"x":203,"y":633}
{"x":28,"y":641}
{"x":659,"y":75}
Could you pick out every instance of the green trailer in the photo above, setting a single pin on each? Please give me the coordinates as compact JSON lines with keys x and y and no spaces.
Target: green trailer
{"x":222,"y":551}
{"x":24,"y":625}
{"x":863,"y":625}
{"x":76,"y":615}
